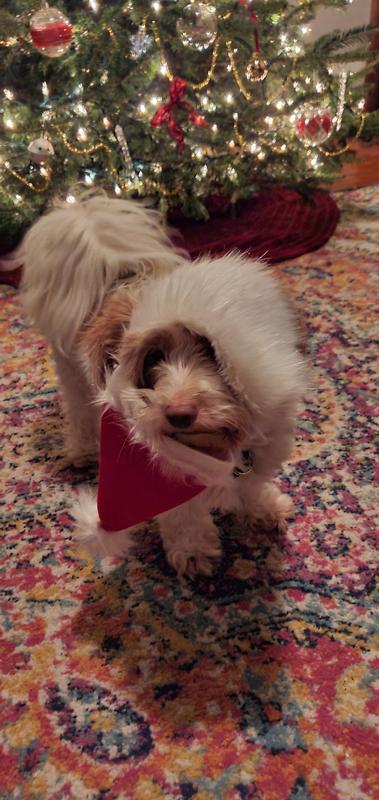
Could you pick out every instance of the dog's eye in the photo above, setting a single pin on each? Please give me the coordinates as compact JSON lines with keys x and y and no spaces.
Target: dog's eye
{"x":152,"y":359}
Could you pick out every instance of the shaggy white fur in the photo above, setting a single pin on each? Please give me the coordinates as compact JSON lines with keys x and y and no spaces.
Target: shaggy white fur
{"x":205,"y":353}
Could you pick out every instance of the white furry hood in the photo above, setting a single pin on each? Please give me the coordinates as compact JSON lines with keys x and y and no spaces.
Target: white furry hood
{"x":237,"y":304}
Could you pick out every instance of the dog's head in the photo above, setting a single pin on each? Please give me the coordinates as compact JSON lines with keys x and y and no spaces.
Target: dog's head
{"x":169,"y":383}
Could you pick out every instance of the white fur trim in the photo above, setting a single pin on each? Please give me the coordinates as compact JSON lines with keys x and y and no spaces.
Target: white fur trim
{"x":91,"y":536}
{"x":239,"y":306}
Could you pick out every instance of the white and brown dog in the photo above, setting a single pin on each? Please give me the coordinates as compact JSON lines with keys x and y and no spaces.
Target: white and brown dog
{"x":203,"y":352}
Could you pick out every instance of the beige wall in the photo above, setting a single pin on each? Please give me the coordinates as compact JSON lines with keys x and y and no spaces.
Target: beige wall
{"x":358,"y":13}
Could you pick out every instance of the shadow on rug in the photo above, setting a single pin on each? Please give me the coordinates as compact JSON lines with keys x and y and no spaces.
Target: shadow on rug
{"x":255,"y":683}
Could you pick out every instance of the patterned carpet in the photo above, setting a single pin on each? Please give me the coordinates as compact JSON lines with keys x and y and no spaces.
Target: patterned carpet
{"x":256,"y":683}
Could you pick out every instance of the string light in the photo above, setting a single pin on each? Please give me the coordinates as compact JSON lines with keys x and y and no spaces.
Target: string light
{"x":45,"y":89}
{"x":229,"y":98}
{"x":82,"y":134}
{"x":106,"y":122}
{"x":142,"y":108}
{"x":70,"y":199}
{"x":9,"y":123}
{"x":214,"y":128}
{"x":94,"y":6}
{"x":117,"y":189}
{"x":9,"y":94}
{"x":156,"y":6}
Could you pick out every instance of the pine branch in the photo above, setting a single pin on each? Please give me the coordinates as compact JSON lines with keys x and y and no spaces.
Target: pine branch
{"x":339,"y":40}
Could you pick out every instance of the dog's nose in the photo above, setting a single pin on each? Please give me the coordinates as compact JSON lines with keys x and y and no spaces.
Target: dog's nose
{"x":181,"y":416}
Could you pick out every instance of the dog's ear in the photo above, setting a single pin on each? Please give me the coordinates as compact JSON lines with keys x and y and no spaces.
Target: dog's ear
{"x":100,"y":342}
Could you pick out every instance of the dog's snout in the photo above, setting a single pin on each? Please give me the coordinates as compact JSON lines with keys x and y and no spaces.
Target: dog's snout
{"x":181,"y":416}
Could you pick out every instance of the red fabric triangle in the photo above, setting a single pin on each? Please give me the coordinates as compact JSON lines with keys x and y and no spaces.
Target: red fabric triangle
{"x":132,"y":488}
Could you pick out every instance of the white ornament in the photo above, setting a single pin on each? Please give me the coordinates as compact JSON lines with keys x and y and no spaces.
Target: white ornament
{"x":40,"y":150}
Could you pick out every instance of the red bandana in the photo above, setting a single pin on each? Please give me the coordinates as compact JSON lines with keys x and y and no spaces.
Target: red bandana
{"x":132,"y":487}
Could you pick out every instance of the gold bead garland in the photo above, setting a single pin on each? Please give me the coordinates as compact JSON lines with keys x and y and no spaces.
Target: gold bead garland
{"x":29,"y":184}
{"x":236,"y":74}
{"x":170,"y":74}
{"x":349,"y":145}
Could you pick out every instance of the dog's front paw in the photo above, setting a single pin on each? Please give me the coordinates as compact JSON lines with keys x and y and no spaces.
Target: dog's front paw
{"x":194,"y":555}
{"x":271,"y":510}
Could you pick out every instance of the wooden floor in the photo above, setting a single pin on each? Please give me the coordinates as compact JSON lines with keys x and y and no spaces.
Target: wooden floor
{"x":363,"y":171}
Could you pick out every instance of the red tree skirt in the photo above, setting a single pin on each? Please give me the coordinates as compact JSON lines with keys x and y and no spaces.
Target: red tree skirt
{"x":276,"y":225}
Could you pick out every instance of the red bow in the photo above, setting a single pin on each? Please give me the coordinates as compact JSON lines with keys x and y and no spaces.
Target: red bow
{"x":165,"y":113}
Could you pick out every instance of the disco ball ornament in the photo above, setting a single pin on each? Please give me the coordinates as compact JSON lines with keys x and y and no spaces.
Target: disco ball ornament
{"x":256,"y":68}
{"x":197,"y":27}
{"x":51,"y":32}
{"x":314,"y":126}
{"x":40,"y":150}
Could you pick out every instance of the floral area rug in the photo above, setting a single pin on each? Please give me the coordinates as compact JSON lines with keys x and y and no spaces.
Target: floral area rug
{"x":255,"y":683}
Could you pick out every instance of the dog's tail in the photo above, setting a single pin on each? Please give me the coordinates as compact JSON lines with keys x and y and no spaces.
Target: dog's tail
{"x":74,"y":254}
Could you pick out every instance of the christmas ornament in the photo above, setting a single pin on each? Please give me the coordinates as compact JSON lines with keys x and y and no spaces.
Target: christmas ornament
{"x":256,"y":68}
{"x":314,"y":126}
{"x":120,"y":136}
{"x":51,"y":32}
{"x":140,"y":42}
{"x":40,"y":150}
{"x":197,"y":28}
{"x":165,"y":113}
{"x":342,"y":82}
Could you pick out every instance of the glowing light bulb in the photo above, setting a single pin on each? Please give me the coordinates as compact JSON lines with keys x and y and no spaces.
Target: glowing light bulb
{"x":106,"y":122}
{"x":45,"y":89}
{"x":17,"y":198}
{"x":82,"y":134}
{"x":9,"y":123}
{"x":163,"y":69}
{"x":117,"y":189}
{"x":253,"y":147}
{"x":280,"y":104}
{"x":269,"y":121}
{"x":198,"y":153}
{"x":154,"y":100}
{"x":156,"y":6}
{"x":142,"y":108}
{"x":70,"y":199}
{"x":232,"y":143}
{"x":229,"y":98}
{"x":94,"y":5}
{"x":261,"y":155}
{"x":214,"y":128}
{"x":9,"y":94}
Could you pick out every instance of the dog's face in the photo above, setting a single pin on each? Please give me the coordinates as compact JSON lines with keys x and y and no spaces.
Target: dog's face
{"x":169,"y":383}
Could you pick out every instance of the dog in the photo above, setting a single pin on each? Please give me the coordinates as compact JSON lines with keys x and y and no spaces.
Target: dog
{"x":205,"y":353}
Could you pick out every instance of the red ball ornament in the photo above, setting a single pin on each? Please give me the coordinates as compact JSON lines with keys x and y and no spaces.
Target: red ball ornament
{"x":51,"y":32}
{"x":314,"y":126}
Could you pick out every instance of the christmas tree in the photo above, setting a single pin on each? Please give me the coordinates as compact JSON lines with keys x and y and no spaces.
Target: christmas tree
{"x":173,"y":100}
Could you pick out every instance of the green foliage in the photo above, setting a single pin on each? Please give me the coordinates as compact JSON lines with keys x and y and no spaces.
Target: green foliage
{"x":249,"y":141}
